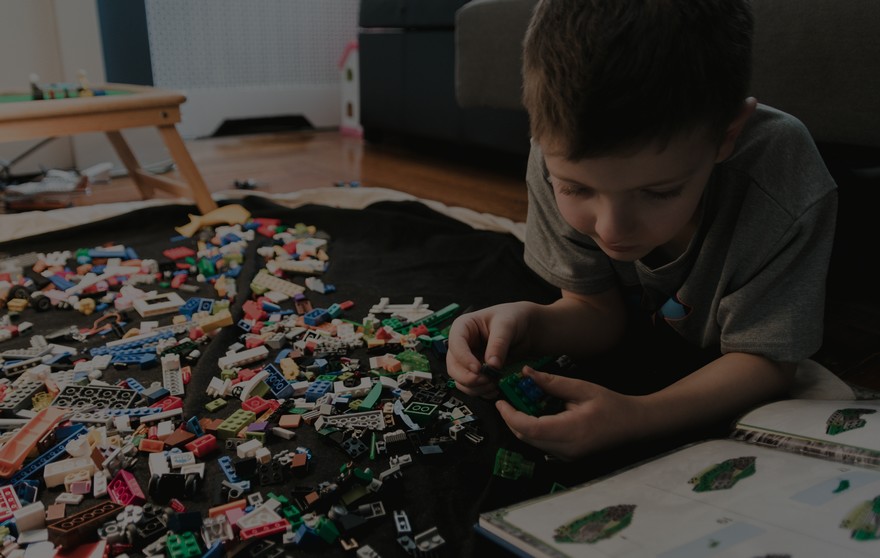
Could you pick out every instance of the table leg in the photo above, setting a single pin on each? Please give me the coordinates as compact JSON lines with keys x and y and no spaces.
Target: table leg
{"x":131,"y":163}
{"x":187,"y":168}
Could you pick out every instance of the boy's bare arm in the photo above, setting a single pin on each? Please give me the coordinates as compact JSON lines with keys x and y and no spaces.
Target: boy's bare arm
{"x":723,"y":388}
{"x":578,"y":325}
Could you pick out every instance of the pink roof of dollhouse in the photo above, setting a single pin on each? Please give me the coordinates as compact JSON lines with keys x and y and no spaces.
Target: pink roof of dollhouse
{"x":351,"y":46}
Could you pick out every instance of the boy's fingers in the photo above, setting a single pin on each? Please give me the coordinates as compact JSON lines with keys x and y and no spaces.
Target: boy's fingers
{"x":497,"y":348}
{"x":459,"y":352}
{"x":555,"y":385}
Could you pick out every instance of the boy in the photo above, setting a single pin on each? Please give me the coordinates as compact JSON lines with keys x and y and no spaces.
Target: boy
{"x":652,"y":174}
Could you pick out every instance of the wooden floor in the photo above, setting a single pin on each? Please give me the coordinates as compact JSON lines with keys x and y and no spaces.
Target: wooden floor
{"x":487,"y":182}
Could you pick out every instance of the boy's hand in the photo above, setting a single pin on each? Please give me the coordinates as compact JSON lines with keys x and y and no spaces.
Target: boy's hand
{"x":594,"y":417}
{"x":483,"y":336}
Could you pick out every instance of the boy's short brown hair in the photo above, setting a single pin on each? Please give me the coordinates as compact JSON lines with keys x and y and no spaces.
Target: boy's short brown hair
{"x":611,"y":76}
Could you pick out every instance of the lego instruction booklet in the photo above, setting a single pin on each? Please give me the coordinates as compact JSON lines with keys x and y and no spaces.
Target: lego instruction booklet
{"x":797,"y":478}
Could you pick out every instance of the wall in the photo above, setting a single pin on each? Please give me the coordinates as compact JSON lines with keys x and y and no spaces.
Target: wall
{"x":27,"y":29}
{"x":259,"y":58}
{"x":232,"y":58}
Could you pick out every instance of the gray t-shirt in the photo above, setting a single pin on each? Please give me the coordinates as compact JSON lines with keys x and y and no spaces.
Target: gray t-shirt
{"x":753,"y":277}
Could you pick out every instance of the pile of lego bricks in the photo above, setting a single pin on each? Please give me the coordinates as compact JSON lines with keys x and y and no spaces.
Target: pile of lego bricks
{"x":236,"y":391}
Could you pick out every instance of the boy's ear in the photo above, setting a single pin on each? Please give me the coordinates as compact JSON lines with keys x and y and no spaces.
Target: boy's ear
{"x":728,"y":142}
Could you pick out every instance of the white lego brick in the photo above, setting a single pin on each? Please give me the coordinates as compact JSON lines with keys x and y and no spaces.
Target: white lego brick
{"x":31,"y":516}
{"x":99,"y":485}
{"x":164,"y":429}
{"x":55,"y":472}
{"x":248,"y":387}
{"x":68,"y":498}
{"x":178,"y":460}
{"x":158,"y":463}
{"x":263,"y":455}
{"x":241,"y":358}
{"x":196,"y":468}
{"x":248,"y":449}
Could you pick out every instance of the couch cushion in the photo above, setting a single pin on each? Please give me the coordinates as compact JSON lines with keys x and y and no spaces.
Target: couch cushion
{"x":820,"y":61}
{"x":489,"y":36}
{"x":409,"y":13}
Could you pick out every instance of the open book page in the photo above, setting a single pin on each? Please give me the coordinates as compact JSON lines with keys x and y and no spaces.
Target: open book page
{"x":845,"y":431}
{"x":720,"y":498}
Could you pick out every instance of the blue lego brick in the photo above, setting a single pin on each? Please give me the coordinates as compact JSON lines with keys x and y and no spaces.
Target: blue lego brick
{"x":244,"y":325}
{"x":193,"y":426}
{"x":229,"y":238}
{"x":130,"y":253}
{"x":145,"y":360}
{"x":60,"y":282}
{"x":106,"y":253}
{"x":316,"y":317}
{"x":135,"y":385}
{"x":27,"y":490}
{"x":206,"y":305}
{"x":146,"y":342}
{"x":228,"y":469}
{"x":278,"y":384}
{"x":270,"y":307}
{"x":190,"y":307}
{"x":317,"y":389}
{"x":217,"y":550}
{"x":153,"y":394}
{"x":35,"y":466}
{"x":282,"y":354}
{"x":233,"y":272}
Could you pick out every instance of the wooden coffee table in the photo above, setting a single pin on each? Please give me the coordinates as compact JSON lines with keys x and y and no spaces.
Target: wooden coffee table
{"x":123,"y":106}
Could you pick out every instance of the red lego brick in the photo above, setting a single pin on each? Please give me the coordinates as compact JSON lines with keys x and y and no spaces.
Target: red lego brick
{"x":125,"y":490}
{"x":266,"y":530}
{"x":151,"y":446}
{"x":179,"y":253}
{"x":168,"y":403}
{"x":9,"y":502}
{"x":203,"y":445}
{"x":255,"y":404}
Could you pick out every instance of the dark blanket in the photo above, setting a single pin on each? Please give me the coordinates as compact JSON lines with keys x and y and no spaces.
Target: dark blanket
{"x":399,"y":250}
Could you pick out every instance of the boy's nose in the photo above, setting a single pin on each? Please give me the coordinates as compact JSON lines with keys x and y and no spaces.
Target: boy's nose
{"x":614,"y":224}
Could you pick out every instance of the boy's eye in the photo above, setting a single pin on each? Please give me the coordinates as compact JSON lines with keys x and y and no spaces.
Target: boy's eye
{"x":663,"y":194}
{"x":569,"y":190}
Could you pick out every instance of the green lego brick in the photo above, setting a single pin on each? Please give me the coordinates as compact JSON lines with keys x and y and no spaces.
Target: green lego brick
{"x":420,"y":412}
{"x":230,"y":427}
{"x":261,"y":436}
{"x":372,"y":398}
{"x":215,"y":405}
{"x":327,"y":530}
{"x":395,"y":324}
{"x":526,"y":396}
{"x":413,"y":360}
{"x":182,"y":545}
{"x":512,"y":465}
{"x":260,"y":389}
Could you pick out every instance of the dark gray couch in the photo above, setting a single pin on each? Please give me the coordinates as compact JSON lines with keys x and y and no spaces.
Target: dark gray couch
{"x":407,"y":66}
{"x":816,"y":59}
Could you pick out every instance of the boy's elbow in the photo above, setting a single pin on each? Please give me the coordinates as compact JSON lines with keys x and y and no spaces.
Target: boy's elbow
{"x":785,"y":374}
